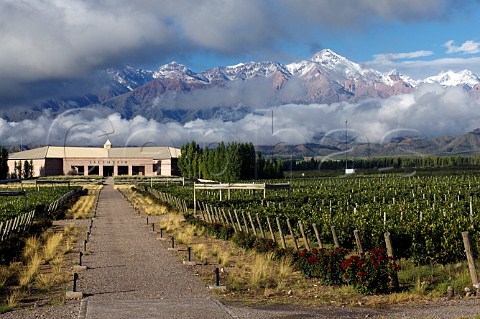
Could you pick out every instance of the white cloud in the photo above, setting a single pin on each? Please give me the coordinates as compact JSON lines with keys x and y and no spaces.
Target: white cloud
{"x":467,"y":47}
{"x":53,"y":39}
{"x":420,"y":69}
{"x":401,"y":56}
{"x":432,"y":110}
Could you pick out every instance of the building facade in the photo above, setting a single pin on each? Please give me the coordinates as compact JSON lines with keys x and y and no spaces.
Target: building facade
{"x":103,"y":161}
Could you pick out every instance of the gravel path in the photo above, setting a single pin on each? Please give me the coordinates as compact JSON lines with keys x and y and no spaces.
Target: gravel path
{"x":131,"y":274}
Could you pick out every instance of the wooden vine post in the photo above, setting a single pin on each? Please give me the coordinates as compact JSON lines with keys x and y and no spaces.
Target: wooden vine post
{"x":335,"y":238}
{"x":471,"y":261}
{"x":245,"y":222}
{"x":320,"y":244}
{"x":251,"y":223}
{"x":233,"y":222}
{"x":282,"y":238}
{"x":388,"y":244}
{"x":358,"y":241}
{"x":292,"y":234}
{"x":260,"y":226}
{"x":300,"y":225}
{"x":238,"y":221}
{"x":271,"y":229}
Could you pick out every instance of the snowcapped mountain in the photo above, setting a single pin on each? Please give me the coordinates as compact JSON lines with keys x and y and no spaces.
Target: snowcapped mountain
{"x":174,"y":91}
{"x":174,"y":70}
{"x":120,"y":81}
{"x":335,"y":66}
{"x":325,"y":66}
{"x":246,"y":71}
{"x":130,"y":77}
{"x":451,"y":78}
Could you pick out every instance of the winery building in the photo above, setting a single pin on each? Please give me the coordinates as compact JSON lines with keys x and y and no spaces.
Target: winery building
{"x":103,"y":161}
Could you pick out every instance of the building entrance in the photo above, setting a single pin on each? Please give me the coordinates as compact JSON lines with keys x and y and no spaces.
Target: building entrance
{"x":107,"y":171}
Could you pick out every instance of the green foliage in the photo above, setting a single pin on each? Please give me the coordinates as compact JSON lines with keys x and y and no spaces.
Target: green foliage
{"x":218,"y":230}
{"x":226,"y":163}
{"x":10,"y":207}
{"x":389,"y":162}
{"x":244,"y":240}
{"x":27,"y":169}
{"x":424,"y":215}
{"x":370,"y":275}
{"x":324,"y":264}
{"x":3,"y":163}
{"x":264,"y":245}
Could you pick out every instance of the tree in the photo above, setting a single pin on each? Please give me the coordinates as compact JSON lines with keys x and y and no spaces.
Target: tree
{"x":3,"y":163}
{"x":31,"y":169}
{"x":227,"y":163}
{"x":26,"y":169}
{"x":18,"y":169}
{"x":187,"y":162}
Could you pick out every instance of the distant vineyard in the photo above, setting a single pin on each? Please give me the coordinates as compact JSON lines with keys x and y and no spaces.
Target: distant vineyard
{"x":10,"y":207}
{"x":424,"y":215}
{"x":19,"y":209}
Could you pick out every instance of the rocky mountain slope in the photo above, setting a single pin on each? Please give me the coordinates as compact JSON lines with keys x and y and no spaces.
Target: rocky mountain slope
{"x":466,"y":144}
{"x":175,"y":92}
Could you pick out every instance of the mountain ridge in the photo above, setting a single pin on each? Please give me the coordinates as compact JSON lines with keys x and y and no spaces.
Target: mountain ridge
{"x":173,"y":92}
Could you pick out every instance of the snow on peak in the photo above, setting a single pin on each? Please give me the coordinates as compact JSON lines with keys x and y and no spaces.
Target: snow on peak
{"x":328,"y":56}
{"x":172,"y":68}
{"x":129,"y":76}
{"x":394,"y":76}
{"x":452,"y":78}
{"x":246,"y":70}
{"x":177,"y":71}
{"x":334,"y":66}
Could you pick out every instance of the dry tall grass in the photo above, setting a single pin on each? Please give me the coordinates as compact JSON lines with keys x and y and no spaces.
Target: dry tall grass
{"x":146,"y":204}
{"x":223,"y":257}
{"x":171,"y":222}
{"x":83,"y":207}
{"x":269,"y":273}
{"x":57,"y":267}
{"x":44,"y":282}
{"x":5,"y":275}
{"x":31,"y":248}
{"x":187,"y":234}
{"x":200,"y":251}
{"x":14,"y":298}
{"x":51,"y":246}
{"x":28,"y":274}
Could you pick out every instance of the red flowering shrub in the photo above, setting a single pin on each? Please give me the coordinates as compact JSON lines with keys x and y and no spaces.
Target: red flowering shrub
{"x":264,"y":245}
{"x":290,"y":253}
{"x":324,"y":264}
{"x":370,"y":274}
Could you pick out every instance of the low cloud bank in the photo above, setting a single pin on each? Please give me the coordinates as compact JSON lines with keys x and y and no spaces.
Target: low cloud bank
{"x":431,"y":111}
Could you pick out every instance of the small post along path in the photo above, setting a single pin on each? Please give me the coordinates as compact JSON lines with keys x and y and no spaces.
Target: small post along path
{"x":132,"y":275}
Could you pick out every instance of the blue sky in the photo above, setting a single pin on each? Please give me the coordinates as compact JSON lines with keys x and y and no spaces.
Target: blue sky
{"x":53,"y":40}
{"x":419,"y":48}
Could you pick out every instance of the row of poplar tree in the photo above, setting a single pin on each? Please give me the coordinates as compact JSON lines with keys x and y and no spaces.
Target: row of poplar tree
{"x":20,"y":169}
{"x":227,"y":163}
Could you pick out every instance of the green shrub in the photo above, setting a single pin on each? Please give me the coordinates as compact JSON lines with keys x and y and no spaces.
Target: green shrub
{"x":264,"y":245}
{"x":370,"y":275}
{"x":324,"y":264}
{"x":243,"y":240}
